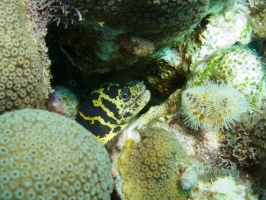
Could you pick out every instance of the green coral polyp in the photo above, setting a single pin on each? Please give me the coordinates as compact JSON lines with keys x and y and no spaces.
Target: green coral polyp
{"x":238,"y":66}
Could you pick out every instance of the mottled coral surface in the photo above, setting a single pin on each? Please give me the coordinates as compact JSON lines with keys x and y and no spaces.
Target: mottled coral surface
{"x":149,"y":168}
{"x":21,"y":70}
{"x":147,"y":17}
{"x":47,"y":156}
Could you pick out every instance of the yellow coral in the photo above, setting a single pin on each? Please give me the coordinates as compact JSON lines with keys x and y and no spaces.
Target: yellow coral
{"x":44,"y":155}
{"x":21,"y":80}
{"x":149,"y":168}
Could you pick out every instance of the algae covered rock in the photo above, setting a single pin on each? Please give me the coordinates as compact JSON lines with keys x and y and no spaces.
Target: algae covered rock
{"x":258,"y":17}
{"x":47,"y":156}
{"x":164,"y":70}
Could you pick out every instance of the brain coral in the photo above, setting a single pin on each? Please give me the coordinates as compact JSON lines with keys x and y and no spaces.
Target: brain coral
{"x":47,"y":156}
{"x":146,"y":16}
{"x":212,"y":106}
{"x":149,"y":168}
{"x":21,"y":71}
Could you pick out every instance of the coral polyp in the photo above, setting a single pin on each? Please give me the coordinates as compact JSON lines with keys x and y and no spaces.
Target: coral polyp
{"x":151,"y":168}
{"x":213,"y":106}
{"x":147,"y":17}
{"x":44,"y":155}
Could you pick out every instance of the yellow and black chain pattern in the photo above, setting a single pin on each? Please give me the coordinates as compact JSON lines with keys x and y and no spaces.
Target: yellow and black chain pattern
{"x":110,"y":107}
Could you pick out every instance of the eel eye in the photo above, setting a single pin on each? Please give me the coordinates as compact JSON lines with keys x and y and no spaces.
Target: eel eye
{"x":124,"y":95}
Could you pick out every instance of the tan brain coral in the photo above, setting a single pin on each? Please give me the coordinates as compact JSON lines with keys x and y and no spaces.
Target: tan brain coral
{"x":21,"y":71}
{"x":46,"y":156}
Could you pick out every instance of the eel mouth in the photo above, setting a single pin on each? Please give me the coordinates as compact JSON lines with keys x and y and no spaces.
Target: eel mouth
{"x":139,"y":103}
{"x":142,"y":99}
{"x":144,"y":95}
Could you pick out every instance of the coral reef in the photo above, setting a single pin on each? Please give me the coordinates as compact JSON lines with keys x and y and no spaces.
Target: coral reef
{"x":97,"y":47}
{"x":24,"y":80}
{"x":193,"y":52}
{"x":213,"y":106}
{"x":168,"y":66}
{"x":147,"y":17}
{"x":222,"y":30}
{"x":47,"y":156}
{"x":102,"y":42}
{"x":209,"y":148}
{"x":63,"y":102}
{"x":236,"y":65}
{"x":150,"y":168}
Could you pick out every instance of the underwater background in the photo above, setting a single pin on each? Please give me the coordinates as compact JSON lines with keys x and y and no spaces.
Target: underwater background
{"x":133,"y":100}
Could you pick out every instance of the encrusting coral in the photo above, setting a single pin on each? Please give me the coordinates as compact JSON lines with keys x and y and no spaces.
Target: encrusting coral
{"x":150,"y":168}
{"x":213,"y":106}
{"x":47,"y":156}
{"x":222,"y":30}
{"x":237,"y":65}
{"x":24,"y":76}
{"x":147,"y":17}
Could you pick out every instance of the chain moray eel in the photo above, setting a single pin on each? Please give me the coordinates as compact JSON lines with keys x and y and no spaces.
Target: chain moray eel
{"x":110,"y":108}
